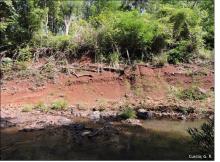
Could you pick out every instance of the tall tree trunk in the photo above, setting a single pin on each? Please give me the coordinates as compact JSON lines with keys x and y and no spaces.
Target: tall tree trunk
{"x":67,"y":23}
{"x":46,"y":25}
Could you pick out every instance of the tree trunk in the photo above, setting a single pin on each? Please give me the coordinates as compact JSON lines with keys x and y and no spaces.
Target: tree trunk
{"x":67,"y":22}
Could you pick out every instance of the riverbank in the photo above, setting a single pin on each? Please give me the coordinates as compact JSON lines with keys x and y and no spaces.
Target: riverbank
{"x":174,"y":92}
{"x":37,"y":120}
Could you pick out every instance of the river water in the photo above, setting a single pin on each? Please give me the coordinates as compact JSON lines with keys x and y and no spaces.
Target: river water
{"x":156,"y":140}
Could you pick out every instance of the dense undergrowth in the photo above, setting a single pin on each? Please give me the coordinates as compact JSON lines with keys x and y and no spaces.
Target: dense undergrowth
{"x":110,"y":32}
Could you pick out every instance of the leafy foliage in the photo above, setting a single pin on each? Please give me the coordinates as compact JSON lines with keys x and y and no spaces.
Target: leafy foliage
{"x":59,"y":104}
{"x":204,"y":138}
{"x":139,"y":30}
{"x":24,"y":54}
{"x":119,"y":27}
{"x":42,"y":107}
{"x":27,"y":108}
{"x":160,"y":60}
{"x":192,"y":93}
{"x":128,"y":113}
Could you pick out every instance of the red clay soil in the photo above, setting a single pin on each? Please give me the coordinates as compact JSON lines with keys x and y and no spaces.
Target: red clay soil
{"x":108,"y":86}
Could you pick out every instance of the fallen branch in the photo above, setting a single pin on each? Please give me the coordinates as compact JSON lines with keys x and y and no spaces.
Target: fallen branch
{"x":78,"y":76}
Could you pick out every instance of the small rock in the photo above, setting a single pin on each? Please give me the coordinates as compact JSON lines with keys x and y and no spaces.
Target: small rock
{"x":144,"y":114}
{"x":5,"y":124}
{"x":77,"y":127}
{"x":61,"y":95}
{"x":84,"y":133}
{"x":32,"y":88}
{"x":64,"y":121}
{"x":72,"y":110}
{"x":202,"y":90}
{"x":132,"y":122}
{"x":182,"y":117}
{"x":95,"y":115}
{"x":3,"y":88}
{"x":211,"y":117}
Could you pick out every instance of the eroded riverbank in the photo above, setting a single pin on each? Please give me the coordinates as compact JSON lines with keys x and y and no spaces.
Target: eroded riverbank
{"x":38,"y":120}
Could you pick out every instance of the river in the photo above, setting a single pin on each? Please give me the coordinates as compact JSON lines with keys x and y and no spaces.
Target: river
{"x":155,"y":140}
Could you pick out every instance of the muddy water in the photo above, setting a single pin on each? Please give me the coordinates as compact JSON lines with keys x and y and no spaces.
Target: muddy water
{"x":156,"y":140}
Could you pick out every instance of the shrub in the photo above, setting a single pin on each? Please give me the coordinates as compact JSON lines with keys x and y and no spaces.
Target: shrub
{"x":59,"y":104}
{"x":174,"y":56}
{"x":192,"y":93}
{"x":83,"y":39}
{"x":160,"y":60}
{"x":204,"y":138}
{"x":206,"y":54}
{"x":58,"y":42}
{"x":184,"y":52}
{"x":184,"y":32}
{"x":128,"y":113}
{"x":24,"y":54}
{"x":49,"y":69}
{"x":6,"y":61}
{"x":114,"y":59}
{"x":131,"y":32}
{"x":6,"y":64}
{"x":27,"y":108}
{"x":102,"y":103}
{"x":42,"y":107}
{"x":20,"y":66}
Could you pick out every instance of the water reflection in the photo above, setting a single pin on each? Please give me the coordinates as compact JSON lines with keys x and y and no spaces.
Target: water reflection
{"x":156,"y":140}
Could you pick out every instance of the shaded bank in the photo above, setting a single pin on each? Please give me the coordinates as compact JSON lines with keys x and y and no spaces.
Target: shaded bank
{"x":88,"y":141}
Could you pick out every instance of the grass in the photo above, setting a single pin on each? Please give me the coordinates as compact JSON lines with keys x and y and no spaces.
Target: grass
{"x":160,"y":60}
{"x":102,"y":103}
{"x":138,"y":91}
{"x":18,"y":66}
{"x":49,"y":69}
{"x":128,"y":113}
{"x":60,"y":104}
{"x":27,"y":108}
{"x":42,"y":107}
{"x":192,"y":93}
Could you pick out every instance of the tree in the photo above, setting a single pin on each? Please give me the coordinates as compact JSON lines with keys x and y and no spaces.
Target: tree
{"x":134,"y":4}
{"x":208,"y":22}
{"x":8,"y":18}
{"x":20,"y":19}
{"x":70,"y":11}
{"x":53,"y":19}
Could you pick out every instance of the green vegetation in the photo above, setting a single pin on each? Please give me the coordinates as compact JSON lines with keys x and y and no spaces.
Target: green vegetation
{"x":159,"y":61}
{"x":112,"y":32}
{"x":193,"y":93}
{"x":204,"y":138}
{"x":128,"y":113}
{"x":42,"y":107}
{"x":27,"y":108}
{"x":60,"y":104}
{"x":102,"y":103}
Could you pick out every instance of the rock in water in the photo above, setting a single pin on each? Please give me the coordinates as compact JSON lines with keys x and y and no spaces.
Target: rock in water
{"x":132,"y":122}
{"x":144,"y":114}
{"x":85,"y":133}
{"x":95,"y":115}
{"x":5,"y":124}
{"x":64,"y":121}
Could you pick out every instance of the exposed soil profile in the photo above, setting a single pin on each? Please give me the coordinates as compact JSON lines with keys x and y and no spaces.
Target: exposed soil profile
{"x":111,"y":86}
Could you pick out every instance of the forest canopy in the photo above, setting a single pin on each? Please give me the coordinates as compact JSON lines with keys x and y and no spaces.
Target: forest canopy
{"x":109,"y":30}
